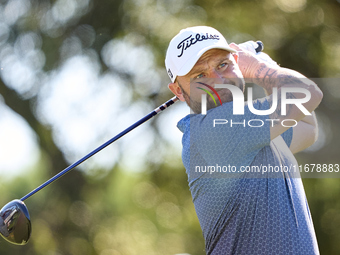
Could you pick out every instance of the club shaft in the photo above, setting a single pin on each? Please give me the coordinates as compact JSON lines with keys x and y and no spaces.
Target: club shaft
{"x":104,"y":145}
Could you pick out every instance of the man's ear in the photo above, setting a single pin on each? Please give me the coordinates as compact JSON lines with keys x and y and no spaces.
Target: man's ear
{"x":176,"y":89}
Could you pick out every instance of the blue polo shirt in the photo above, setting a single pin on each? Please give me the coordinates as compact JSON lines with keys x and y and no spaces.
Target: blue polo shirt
{"x":247,"y":190}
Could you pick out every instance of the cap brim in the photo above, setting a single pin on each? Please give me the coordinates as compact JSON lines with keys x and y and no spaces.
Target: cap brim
{"x":193,"y":60}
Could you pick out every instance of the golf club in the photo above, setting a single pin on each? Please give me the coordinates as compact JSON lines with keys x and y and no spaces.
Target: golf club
{"x":15,"y":222}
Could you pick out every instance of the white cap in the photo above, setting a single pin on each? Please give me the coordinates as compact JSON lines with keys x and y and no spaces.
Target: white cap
{"x":188,"y":46}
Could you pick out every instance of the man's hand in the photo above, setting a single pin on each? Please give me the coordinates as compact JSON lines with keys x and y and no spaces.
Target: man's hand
{"x":247,"y":62}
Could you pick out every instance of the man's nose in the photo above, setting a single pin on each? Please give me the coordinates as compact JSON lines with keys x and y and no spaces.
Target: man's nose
{"x":216,"y":78}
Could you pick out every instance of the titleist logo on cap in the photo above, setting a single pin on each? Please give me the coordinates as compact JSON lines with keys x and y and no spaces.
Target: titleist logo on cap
{"x":190,"y":40}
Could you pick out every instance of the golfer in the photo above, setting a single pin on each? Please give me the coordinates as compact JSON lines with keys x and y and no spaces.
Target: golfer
{"x":245,"y":199}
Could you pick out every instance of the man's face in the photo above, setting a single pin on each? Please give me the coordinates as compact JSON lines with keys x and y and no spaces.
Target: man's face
{"x":214,"y":67}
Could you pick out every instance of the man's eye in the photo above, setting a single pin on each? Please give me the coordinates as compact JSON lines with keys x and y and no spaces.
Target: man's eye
{"x":199,"y":76}
{"x":223,"y":65}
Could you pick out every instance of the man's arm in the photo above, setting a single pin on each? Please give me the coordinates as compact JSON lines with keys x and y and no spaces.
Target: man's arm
{"x":268,"y":77}
{"x":304,"y":134}
{"x":276,"y":77}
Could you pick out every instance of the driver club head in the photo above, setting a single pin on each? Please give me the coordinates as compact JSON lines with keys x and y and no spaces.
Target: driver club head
{"x":15,"y":222}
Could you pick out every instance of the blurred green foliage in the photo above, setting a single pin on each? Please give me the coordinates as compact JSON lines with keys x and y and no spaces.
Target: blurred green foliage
{"x":120,"y":212}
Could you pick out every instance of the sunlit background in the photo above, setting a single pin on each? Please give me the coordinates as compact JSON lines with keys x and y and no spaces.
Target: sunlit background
{"x":74,"y":73}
